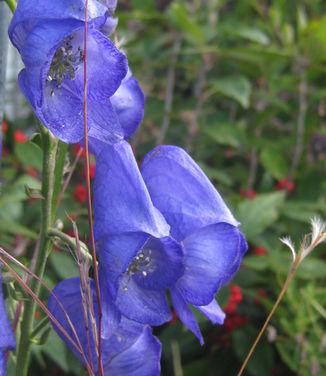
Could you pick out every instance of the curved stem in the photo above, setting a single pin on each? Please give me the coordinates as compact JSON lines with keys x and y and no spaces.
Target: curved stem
{"x":276,"y":304}
{"x":49,"y":146}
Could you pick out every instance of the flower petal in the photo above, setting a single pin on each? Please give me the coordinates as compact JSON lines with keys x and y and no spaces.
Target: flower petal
{"x":106,"y":66}
{"x":144,"y":306}
{"x":213,"y":312}
{"x":142,"y":358}
{"x":185,"y":315}
{"x":124,"y":336}
{"x":38,"y":51}
{"x":128,"y":103}
{"x":211,"y":254}
{"x":165,"y":264}
{"x":68,"y":293}
{"x":182,"y":192}
{"x":29,"y":12}
{"x":7,"y":339}
{"x":116,"y":252}
{"x":121,"y":201}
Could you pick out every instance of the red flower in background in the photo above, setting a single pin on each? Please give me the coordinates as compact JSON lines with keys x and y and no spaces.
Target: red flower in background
{"x":285,"y":184}
{"x":31,"y":172}
{"x":91,"y":170}
{"x":250,"y":194}
{"x":76,"y":149}
{"x":20,"y":137}
{"x":80,"y":193}
{"x":259,"y":251}
{"x":4,"y":127}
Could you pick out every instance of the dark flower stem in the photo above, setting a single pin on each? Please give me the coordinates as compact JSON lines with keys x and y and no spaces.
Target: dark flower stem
{"x":49,"y":146}
{"x":89,"y":203}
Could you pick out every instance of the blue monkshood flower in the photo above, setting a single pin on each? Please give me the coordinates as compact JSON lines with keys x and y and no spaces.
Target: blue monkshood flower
{"x":53,"y":78}
{"x":7,"y":339}
{"x":128,"y":348}
{"x":164,"y":228}
{"x":128,"y":105}
{"x":111,"y":23}
{"x":30,"y":12}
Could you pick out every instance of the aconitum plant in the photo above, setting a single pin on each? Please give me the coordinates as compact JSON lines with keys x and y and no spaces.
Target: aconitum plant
{"x":161,"y":229}
{"x":169,"y":230}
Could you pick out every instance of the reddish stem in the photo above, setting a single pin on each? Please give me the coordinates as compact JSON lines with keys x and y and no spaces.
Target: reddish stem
{"x":82,"y":273}
{"x":89,"y":203}
{"x":78,"y":347}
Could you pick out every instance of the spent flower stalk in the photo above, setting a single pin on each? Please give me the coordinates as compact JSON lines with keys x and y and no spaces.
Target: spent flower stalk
{"x":309,"y":243}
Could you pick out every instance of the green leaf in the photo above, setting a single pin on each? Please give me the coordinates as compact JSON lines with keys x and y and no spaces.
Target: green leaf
{"x":29,"y":155}
{"x":256,"y":262}
{"x":300,"y":210}
{"x":225,"y":134}
{"x":274,"y":162}
{"x":183,"y":21}
{"x":64,"y":264}
{"x":252,"y":33}
{"x":256,"y":215}
{"x":216,"y":174}
{"x":12,"y":227}
{"x":237,"y":87}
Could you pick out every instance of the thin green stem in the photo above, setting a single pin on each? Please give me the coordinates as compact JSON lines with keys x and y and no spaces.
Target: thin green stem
{"x":12,"y":5}
{"x":59,"y":174}
{"x":49,"y":146}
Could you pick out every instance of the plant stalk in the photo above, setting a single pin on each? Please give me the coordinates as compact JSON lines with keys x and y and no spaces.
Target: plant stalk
{"x":289,"y":278}
{"x":49,"y":146}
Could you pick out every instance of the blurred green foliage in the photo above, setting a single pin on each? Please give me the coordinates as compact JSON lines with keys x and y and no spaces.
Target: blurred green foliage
{"x":241,"y":86}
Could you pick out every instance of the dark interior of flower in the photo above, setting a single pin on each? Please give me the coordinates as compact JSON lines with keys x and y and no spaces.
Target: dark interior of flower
{"x":65,"y":63}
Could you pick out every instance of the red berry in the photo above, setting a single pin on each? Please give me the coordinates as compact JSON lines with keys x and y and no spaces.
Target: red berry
{"x":262,"y":292}
{"x":31,"y":172}
{"x":285,"y":184}
{"x":4,"y":127}
{"x":80,"y":193}
{"x":76,"y":149}
{"x":250,"y":194}
{"x":91,"y":171}
{"x":236,"y":294}
{"x":230,"y":308}
{"x":259,"y":251}
{"x":20,"y":137}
